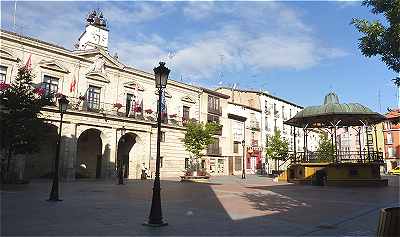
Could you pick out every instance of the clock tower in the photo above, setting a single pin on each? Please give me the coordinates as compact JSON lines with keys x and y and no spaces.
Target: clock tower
{"x":96,"y":32}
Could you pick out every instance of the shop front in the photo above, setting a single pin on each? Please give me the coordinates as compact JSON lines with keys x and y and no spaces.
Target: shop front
{"x":253,"y":157}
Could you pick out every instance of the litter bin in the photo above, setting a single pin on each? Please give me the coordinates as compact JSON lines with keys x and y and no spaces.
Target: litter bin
{"x":389,"y":221}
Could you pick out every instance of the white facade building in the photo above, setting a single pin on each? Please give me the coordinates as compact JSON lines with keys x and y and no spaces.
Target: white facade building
{"x":111,"y":115}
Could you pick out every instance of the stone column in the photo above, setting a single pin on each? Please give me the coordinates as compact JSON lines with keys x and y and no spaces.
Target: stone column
{"x":68,"y":151}
{"x":110,"y":153}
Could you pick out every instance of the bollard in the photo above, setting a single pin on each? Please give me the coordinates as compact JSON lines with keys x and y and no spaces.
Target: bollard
{"x":389,"y":222}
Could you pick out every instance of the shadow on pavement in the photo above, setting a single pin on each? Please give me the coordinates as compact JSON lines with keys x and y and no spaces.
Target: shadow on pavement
{"x":191,"y":209}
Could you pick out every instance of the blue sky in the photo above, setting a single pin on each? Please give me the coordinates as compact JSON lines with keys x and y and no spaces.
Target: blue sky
{"x":299,"y":51}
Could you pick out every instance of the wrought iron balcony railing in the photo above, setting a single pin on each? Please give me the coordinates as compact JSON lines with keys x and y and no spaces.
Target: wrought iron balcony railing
{"x":214,"y":110}
{"x":214,"y":150}
{"x":340,"y":157}
{"x":119,"y":110}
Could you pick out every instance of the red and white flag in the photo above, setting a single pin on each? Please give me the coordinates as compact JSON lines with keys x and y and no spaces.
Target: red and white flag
{"x":28,"y":64}
{"x":72,"y":86}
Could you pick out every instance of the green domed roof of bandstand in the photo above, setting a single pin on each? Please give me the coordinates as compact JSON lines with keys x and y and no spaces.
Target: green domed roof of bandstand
{"x":347,"y":114}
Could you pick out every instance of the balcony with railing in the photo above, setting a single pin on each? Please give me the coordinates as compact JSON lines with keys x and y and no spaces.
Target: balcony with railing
{"x":340,"y":157}
{"x":276,"y":113}
{"x":267,"y":110}
{"x":120,"y":110}
{"x":214,"y":151}
{"x":214,"y":110}
{"x":254,"y":125}
{"x":254,"y":143}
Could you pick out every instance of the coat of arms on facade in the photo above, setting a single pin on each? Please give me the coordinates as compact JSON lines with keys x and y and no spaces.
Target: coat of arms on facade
{"x":98,"y":65}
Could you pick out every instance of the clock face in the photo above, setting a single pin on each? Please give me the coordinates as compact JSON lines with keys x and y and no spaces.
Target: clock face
{"x":96,"y":38}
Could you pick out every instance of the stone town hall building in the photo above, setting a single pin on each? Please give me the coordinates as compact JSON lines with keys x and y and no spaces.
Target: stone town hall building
{"x":102,"y":91}
{"x":112,"y":111}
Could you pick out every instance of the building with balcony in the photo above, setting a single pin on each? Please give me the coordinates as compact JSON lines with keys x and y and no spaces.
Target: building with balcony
{"x":244,"y":114}
{"x":391,"y":135}
{"x":265,"y":114}
{"x":112,"y":112}
{"x":213,"y":109}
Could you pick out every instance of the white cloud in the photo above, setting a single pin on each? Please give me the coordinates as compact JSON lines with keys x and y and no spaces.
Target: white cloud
{"x":199,"y":10}
{"x":140,"y":55}
{"x":251,"y":36}
{"x":135,"y":12}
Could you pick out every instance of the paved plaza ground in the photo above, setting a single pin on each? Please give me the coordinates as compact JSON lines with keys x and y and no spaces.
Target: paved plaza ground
{"x":224,"y":206}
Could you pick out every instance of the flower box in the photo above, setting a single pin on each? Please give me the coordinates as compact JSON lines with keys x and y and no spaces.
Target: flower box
{"x":118,"y":105}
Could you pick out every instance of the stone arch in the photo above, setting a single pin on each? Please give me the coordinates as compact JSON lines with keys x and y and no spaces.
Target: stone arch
{"x":41,"y":163}
{"x":90,"y":162}
{"x":129,"y":152}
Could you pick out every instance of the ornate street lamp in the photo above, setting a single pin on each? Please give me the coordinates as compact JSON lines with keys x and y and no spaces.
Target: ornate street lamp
{"x":62,"y":106}
{"x":155,"y":219}
{"x":120,"y":165}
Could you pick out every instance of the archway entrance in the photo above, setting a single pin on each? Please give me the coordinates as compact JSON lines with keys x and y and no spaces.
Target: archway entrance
{"x":89,"y":155}
{"x":125,"y":145}
{"x":41,"y":164}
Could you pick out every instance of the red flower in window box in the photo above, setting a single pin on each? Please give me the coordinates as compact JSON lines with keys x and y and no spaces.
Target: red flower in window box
{"x":39,"y":91}
{"x":4,"y":86}
{"x":173,"y":115}
{"x":137,"y":109}
{"x":118,"y":105}
{"x":148,"y":111}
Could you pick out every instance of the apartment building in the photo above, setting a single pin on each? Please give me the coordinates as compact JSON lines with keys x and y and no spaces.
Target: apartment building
{"x":391,"y":134}
{"x":265,"y":114}
{"x":213,"y":109}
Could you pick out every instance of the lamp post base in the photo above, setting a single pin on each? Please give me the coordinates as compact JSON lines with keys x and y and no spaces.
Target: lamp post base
{"x":54,"y":200}
{"x":163,"y":223}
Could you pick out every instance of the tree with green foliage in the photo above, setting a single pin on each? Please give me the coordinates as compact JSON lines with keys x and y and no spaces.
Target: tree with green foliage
{"x":20,"y":106}
{"x":325,"y":151}
{"x":277,"y":148}
{"x":382,"y":38}
{"x":197,"y":138}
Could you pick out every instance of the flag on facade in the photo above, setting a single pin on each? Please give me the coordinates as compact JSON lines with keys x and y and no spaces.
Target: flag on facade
{"x":72,"y":86}
{"x":28,"y":64}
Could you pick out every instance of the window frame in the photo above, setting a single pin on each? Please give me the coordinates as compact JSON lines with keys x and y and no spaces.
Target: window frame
{"x":185,"y":111}
{"x":92,"y":96}
{"x":3,"y":73}
{"x":236,"y":147}
{"x":48,"y":85}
